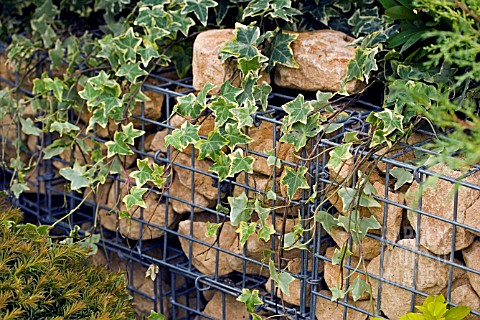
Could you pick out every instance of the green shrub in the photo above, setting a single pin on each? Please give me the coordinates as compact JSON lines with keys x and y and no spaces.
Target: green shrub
{"x":42,"y":279}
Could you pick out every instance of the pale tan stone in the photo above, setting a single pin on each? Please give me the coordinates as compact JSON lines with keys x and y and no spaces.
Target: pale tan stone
{"x":233,"y":309}
{"x":465,"y":296}
{"x":331,"y":310}
{"x":178,"y":190}
{"x":256,"y":181}
{"x":438,"y":199}
{"x":207,"y":67}
{"x":471,"y":255}
{"x":370,"y":247}
{"x":203,"y":184}
{"x":398,"y":266}
{"x":152,"y":110}
{"x":322,"y":57}
{"x":405,"y":156}
{"x":334,"y":277}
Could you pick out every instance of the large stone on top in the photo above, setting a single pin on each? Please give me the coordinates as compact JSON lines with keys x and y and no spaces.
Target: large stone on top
{"x":322,"y":57}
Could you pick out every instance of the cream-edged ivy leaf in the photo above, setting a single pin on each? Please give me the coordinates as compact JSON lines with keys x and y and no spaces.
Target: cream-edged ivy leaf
{"x":297,"y":110}
{"x":28,"y":127}
{"x":337,"y":293}
{"x":182,"y":137}
{"x":250,"y":299}
{"x":294,"y":180}
{"x":243,"y":45}
{"x":152,"y":271}
{"x":243,"y":115}
{"x":131,"y":71}
{"x":143,"y":174}
{"x":358,"y":287}
{"x":256,"y":7}
{"x":135,"y":197}
{"x":282,"y":279}
{"x":18,"y":189}
{"x":199,"y":8}
{"x":280,"y":51}
{"x":261,"y":93}
{"x":77,"y":176}
{"x":191,"y":105}
{"x":147,"y":54}
{"x":230,"y":92}
{"x":265,"y":232}
{"x":221,"y":166}
{"x":402,"y":175}
{"x":63,"y":127}
{"x":240,"y":163}
{"x":239,"y":209}
{"x":221,"y":109}
{"x":326,"y":219}
{"x":212,"y":229}
{"x":339,"y":155}
{"x":245,"y":230}
{"x":235,"y":136}
{"x":118,"y":145}
{"x":131,"y":133}
{"x":158,"y":175}
{"x":212,"y":146}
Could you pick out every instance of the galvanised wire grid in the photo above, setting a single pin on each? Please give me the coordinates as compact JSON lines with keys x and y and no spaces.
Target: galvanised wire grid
{"x":200,"y":276}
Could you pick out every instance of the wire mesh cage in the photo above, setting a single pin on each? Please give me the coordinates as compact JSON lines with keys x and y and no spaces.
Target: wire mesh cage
{"x":427,"y":214}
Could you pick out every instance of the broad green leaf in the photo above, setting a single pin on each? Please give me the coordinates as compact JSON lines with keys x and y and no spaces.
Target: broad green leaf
{"x":256,"y":7}
{"x":28,"y":127}
{"x":76,"y":175}
{"x":339,"y":155}
{"x":358,"y":287}
{"x":251,"y":65}
{"x":262,"y":212}
{"x":280,"y":51}
{"x":243,"y":115}
{"x":282,"y":279}
{"x":245,"y":230}
{"x":135,"y":197}
{"x":239,"y":209}
{"x":156,"y":316}
{"x":212,"y":229}
{"x":221,"y":166}
{"x":273,"y":160}
{"x":294,"y":180}
{"x":143,"y":174}
{"x":221,"y":109}
{"x":457,"y":313}
{"x":251,"y":299}
{"x":235,"y":136}
{"x":131,"y":71}
{"x":63,"y":127}
{"x":297,"y":110}
{"x":118,"y":145}
{"x":182,"y":137}
{"x":18,"y":189}
{"x":326,"y":219}
{"x":402,"y":175}
{"x":282,"y":9}
{"x":199,"y":8}
{"x":212,"y":146}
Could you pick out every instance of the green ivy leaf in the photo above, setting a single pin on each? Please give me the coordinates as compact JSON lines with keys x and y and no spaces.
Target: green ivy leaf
{"x":261,"y":93}
{"x":340,"y":256}
{"x":243,"y":115}
{"x":143,"y":174}
{"x":156,"y":316}
{"x":245,"y":230}
{"x":273,"y":160}
{"x":118,"y":145}
{"x":282,"y":9}
{"x":131,"y":133}
{"x":212,"y":146}
{"x":212,"y":229}
{"x":294,"y":180}
{"x":239,"y":209}
{"x":199,"y":8}
{"x":338,"y":155}
{"x":158,"y":173}
{"x":280,"y":51}
{"x":18,"y":189}
{"x":229,"y":92}
{"x":251,"y":299}
{"x":457,"y":313}
{"x":147,"y":54}
{"x":326,"y":219}
{"x":63,"y":127}
{"x":191,"y":105}
{"x":131,"y":71}
{"x":282,"y":279}
{"x":243,"y":45}
{"x":76,"y":175}
{"x":358,"y":287}
{"x":255,"y":8}
{"x":135,"y":197}
{"x":221,"y":109}
{"x":337,"y":293}
{"x":265,"y":232}
{"x":182,"y":137}
{"x":402,"y":175}
{"x":363,"y":64}
{"x":128,"y":43}
{"x":297,"y":110}
{"x":221,"y":166}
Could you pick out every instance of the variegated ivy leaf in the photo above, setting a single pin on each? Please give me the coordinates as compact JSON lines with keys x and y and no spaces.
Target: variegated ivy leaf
{"x":350,"y":199}
{"x":341,"y":255}
{"x":191,"y":105}
{"x":221,"y":109}
{"x":221,"y":166}
{"x":212,"y":146}
{"x":245,"y":230}
{"x":182,"y":137}
{"x":358,"y":226}
{"x":135,"y":197}
{"x":240,"y":163}
{"x":326,"y":219}
{"x":128,"y":44}
{"x":280,"y":51}
{"x":28,"y":127}
{"x":243,"y":115}
{"x":199,"y":8}
{"x":358,"y":287}
{"x":282,"y":9}
{"x":339,"y":155}
{"x":402,"y":175}
{"x":235,"y":136}
{"x":240,"y":209}
{"x":251,"y":299}
{"x":244,"y":45}
{"x":261,"y":94}
{"x":212,"y":229}
{"x":297,"y":110}
{"x":255,"y":8}
{"x":131,"y":71}
{"x":77,"y":176}
{"x":229,"y":92}
{"x":282,"y":279}
{"x":63,"y":127}
{"x":131,"y":133}
{"x":143,"y":174}
{"x":152,"y":271}
{"x":337,"y":293}
{"x":294,"y":180}
{"x":361,"y":67}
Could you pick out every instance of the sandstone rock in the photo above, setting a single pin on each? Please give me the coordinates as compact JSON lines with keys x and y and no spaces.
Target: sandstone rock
{"x":370,"y":248}
{"x":322,"y":57}
{"x":152,"y":110}
{"x":263,"y":140}
{"x":233,"y":309}
{"x":156,"y":141}
{"x":435,"y":234}
{"x":207,"y":67}
{"x":256,"y":181}
{"x":331,"y":310}
{"x":407,"y":157}
{"x":203,"y":258}
{"x":334,"y":278}
{"x":201,"y":183}
{"x":296,"y":287}
{"x":465,"y":296}
{"x":178,"y":190}
{"x":398,"y":267}
{"x":471,"y":255}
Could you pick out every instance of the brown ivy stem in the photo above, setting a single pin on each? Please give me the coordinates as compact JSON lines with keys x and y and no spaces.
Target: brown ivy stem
{"x":467,"y":10}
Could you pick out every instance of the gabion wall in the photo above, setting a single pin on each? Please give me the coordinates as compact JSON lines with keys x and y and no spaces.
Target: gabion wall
{"x":427,"y":243}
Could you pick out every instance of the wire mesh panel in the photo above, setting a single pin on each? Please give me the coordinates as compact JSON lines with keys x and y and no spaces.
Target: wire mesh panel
{"x":424,"y":243}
